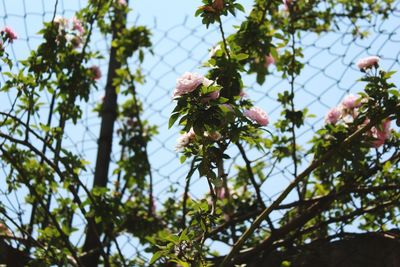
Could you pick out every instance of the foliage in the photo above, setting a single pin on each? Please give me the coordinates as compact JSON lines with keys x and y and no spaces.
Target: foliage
{"x":351,"y":181}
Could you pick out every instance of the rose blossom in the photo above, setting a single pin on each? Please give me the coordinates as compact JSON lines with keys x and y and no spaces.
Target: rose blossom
{"x":367,"y":62}
{"x":286,"y":4}
{"x":187,"y":83}
{"x":213,"y":95}
{"x":96,"y":72}
{"x":10,"y":33}
{"x":122,"y":2}
{"x":207,"y":82}
{"x":333,"y":115}
{"x":61,"y":21}
{"x":77,"y":25}
{"x":242,"y":94}
{"x":258,"y":115}
{"x":185,"y":139}
{"x":381,"y":134}
{"x":351,"y":101}
{"x":215,"y":136}
{"x":269,"y":60}
{"x":220,"y":192}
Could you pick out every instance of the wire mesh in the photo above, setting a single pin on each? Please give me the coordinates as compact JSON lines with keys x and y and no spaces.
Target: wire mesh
{"x":329,"y":74}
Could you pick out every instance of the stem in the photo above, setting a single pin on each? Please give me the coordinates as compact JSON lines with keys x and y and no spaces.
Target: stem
{"x":221,"y":29}
{"x":255,"y":184}
{"x":293,"y":77}
{"x":186,"y":194}
{"x":251,"y":175}
{"x":213,"y":196}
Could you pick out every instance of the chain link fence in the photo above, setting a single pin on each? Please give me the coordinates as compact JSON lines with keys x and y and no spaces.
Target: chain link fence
{"x":329,"y":74}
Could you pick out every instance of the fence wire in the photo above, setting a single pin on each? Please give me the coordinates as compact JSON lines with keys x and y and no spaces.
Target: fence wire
{"x":329,"y":74}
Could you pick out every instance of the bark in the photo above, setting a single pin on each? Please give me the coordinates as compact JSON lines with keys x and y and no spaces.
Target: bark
{"x":93,"y":245}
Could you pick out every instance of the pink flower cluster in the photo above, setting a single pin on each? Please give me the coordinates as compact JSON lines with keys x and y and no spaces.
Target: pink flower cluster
{"x":258,"y":115}
{"x":9,"y":33}
{"x":73,"y":34}
{"x":347,"y":111}
{"x":189,"y":82}
{"x":368,"y":62}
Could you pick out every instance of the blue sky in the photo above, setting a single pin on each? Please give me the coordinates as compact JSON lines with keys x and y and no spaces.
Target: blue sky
{"x":181,"y":44}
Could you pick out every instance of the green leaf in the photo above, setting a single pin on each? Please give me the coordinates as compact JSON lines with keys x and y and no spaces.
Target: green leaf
{"x":389,"y":74}
{"x":156,"y":256}
{"x":394,"y":92}
{"x":239,"y":7}
{"x":182,"y":159}
{"x":241,"y":56}
{"x":173,"y":119}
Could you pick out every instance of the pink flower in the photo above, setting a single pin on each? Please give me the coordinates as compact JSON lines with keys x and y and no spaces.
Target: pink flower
{"x":368,"y":62}
{"x":351,"y":101}
{"x":61,"y":22}
{"x":258,"y":115}
{"x":213,"y":95}
{"x":187,"y":83}
{"x":96,"y":72}
{"x":220,"y":192}
{"x":242,"y":94}
{"x":269,"y":60}
{"x":77,"y":25}
{"x":122,"y":2}
{"x":381,"y":133}
{"x":10,"y":33}
{"x":333,"y":115}
{"x":286,"y":4}
{"x":215,"y":136}
{"x":207,"y":82}
{"x":185,"y":139}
